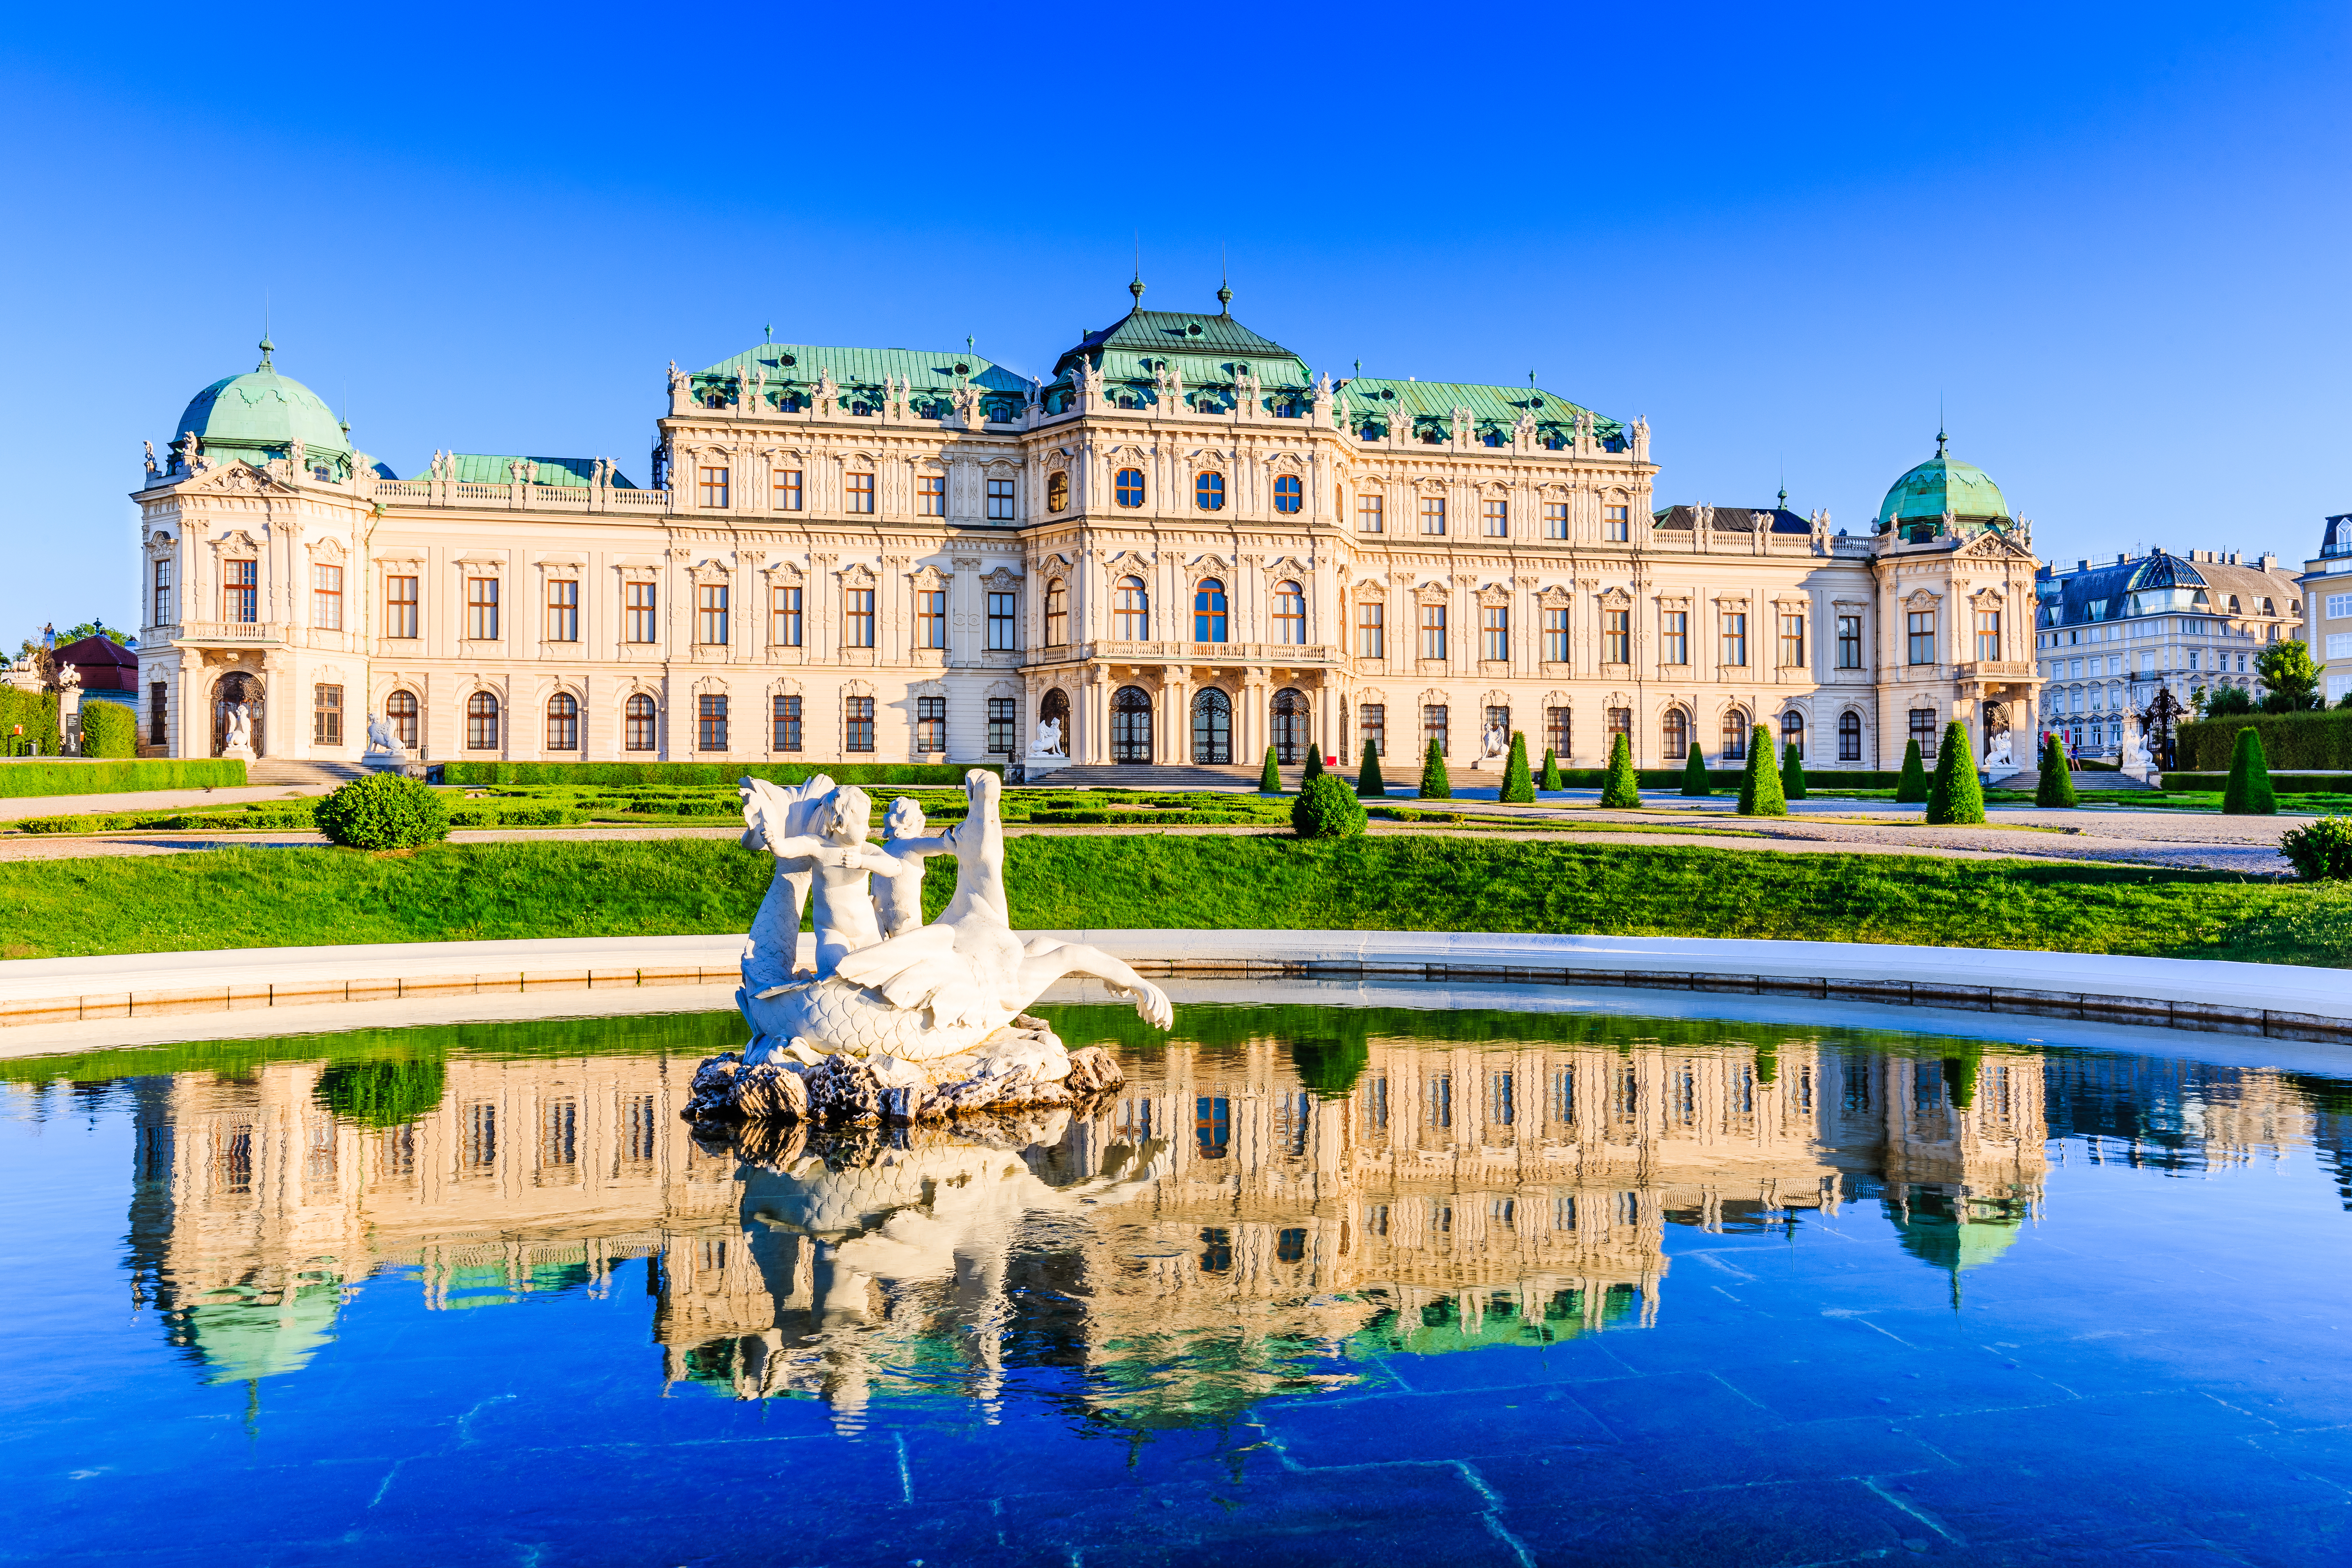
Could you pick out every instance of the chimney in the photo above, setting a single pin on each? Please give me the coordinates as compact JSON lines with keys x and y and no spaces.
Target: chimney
{"x":2269,"y":562}
{"x":2079,"y":565}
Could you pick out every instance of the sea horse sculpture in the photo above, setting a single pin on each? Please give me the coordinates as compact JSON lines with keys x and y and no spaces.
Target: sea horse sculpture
{"x":937,"y":991}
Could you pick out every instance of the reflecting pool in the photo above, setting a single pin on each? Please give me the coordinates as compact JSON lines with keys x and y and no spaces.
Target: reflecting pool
{"x":1320,"y":1284}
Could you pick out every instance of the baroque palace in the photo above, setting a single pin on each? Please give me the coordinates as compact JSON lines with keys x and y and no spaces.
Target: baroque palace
{"x":1184,"y":547}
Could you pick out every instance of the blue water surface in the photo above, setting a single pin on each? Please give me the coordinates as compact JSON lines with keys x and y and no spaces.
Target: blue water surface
{"x":1312,"y":1287}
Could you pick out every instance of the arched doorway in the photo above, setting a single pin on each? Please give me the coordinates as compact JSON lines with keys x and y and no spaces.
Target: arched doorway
{"x":237,"y":685}
{"x":1212,"y":728}
{"x":1130,"y":725}
{"x":1054,"y":707}
{"x":1996,"y":725}
{"x":1290,"y":727}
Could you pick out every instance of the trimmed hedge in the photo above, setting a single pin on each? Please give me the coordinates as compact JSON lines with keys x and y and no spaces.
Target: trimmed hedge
{"x":1671,"y":780}
{"x":2281,"y":784}
{"x":34,"y":712}
{"x":108,"y":729}
{"x":2322,"y":739}
{"x":22,"y":781}
{"x":934,"y":775}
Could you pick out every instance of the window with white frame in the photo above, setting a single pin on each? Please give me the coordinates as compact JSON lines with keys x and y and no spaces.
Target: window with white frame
{"x":857,"y":619}
{"x":1616,"y":523}
{"x":932,"y":617}
{"x":327,"y":598}
{"x":1673,"y":637}
{"x":1733,"y":638}
{"x":858,"y":724}
{"x":1555,"y":634}
{"x":241,"y":592}
{"x":1849,"y":628}
{"x":326,"y":715}
{"x":1372,"y":720}
{"x":563,"y":611}
{"x":1003,"y":725}
{"x":711,"y":613}
{"x":1432,"y":631}
{"x":1057,"y":613}
{"x":710,"y":722}
{"x":1371,"y":629}
{"x":482,"y":609}
{"x":930,"y":495}
{"x":1555,"y":520}
{"x":1003,"y":622}
{"x":784,"y":616}
{"x":714,"y":486}
{"x":1289,"y":615}
{"x":857,"y":492}
{"x":164,"y":613}
{"x":784,"y":712}
{"x":1000,"y":501}
{"x":637,"y":625}
{"x":1616,"y":636}
{"x":1987,"y":634}
{"x":785,"y":489}
{"x":1494,"y":519}
{"x":1792,"y":641}
{"x":1494,"y":632}
{"x":1368,"y":512}
{"x":930,"y":723}
{"x":1433,"y":514}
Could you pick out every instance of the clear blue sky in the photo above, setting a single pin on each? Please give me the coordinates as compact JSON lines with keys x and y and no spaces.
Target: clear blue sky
{"x":2111,"y":240}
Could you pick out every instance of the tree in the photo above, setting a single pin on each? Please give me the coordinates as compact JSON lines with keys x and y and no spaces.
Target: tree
{"x":97,"y":628}
{"x":2249,"y":792}
{"x":2056,"y":786}
{"x":1552,"y":779}
{"x":1327,"y":808}
{"x":1956,"y":795}
{"x":1911,"y":784}
{"x":1269,"y":777}
{"x":1621,"y":786}
{"x":1370,"y":785}
{"x":2225,"y":702}
{"x":1760,"y":787}
{"x":1792,"y":770}
{"x":2289,"y":677}
{"x":1519,"y":784}
{"x":1694,"y":779}
{"x":1314,"y":769}
{"x":1435,"y":784}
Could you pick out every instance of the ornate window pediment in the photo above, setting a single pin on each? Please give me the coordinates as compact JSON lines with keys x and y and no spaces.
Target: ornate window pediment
{"x":159,"y":545}
{"x":327,"y":548}
{"x":782,"y":572}
{"x":1674,"y":601}
{"x":1287,"y":463}
{"x":709,"y":571}
{"x":237,"y":541}
{"x":1555,"y":597}
{"x":1494,"y":593}
{"x":1432,"y":594}
{"x":1617,"y":598}
{"x":1000,"y":581}
{"x":1128,"y":561}
{"x":928,"y":576}
{"x":1920,"y":599}
{"x":857,"y":574}
{"x":784,"y":686}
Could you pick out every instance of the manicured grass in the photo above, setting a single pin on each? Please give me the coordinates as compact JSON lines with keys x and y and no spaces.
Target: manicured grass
{"x":262,"y":897}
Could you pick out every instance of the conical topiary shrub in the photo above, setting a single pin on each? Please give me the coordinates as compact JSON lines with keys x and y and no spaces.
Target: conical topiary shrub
{"x":1621,"y":786}
{"x":1269,"y":777}
{"x":2056,"y":786}
{"x":2249,"y":792}
{"x":1694,"y":779}
{"x":1314,"y":769}
{"x":1435,"y":784}
{"x":1956,"y":795}
{"x":1760,"y":786}
{"x":1519,"y":784}
{"x":1552,"y":779}
{"x":1370,"y":785}
{"x":1912,"y":785}
{"x":1792,"y":770}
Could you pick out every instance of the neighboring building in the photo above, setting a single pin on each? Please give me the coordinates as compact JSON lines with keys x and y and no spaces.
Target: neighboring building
{"x":2109,"y":635}
{"x":852,"y":554}
{"x":2327,"y":584}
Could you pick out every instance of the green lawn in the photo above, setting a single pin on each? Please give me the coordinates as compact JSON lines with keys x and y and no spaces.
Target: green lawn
{"x":260,"y":898}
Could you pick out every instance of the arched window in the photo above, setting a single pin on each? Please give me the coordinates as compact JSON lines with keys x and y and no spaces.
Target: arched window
{"x":1289,"y":495}
{"x":1058,"y":491}
{"x":1676,"y":734}
{"x":1209,"y":611}
{"x":1212,"y":728}
{"x":637,"y":723}
{"x":1735,"y":736}
{"x":400,"y":708}
{"x":481,"y":722}
{"x":1129,"y":487}
{"x":1290,"y":727}
{"x":1849,"y":737}
{"x":1130,"y":611}
{"x":1792,"y":731}
{"x":2234,"y":603}
{"x":1130,"y":725}
{"x":1289,"y":615}
{"x":562,"y":722}
{"x":1209,"y":492}
{"x":1057,"y":613}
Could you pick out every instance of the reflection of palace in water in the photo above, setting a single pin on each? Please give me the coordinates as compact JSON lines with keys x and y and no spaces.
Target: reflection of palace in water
{"x":1218,"y":1212}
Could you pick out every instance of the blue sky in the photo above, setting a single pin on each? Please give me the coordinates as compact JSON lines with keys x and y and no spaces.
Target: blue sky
{"x":2111,"y":240}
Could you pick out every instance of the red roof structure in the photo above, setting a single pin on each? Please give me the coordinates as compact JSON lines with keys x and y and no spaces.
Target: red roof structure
{"x":104,"y":664}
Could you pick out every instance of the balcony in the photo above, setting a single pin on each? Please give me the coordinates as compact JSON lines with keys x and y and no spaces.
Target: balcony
{"x":1288,"y":656}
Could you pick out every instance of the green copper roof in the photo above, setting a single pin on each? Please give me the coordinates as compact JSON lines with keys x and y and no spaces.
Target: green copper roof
{"x":256,"y":414}
{"x":791,"y":369}
{"x":1939,"y":485}
{"x":1430,"y":404}
{"x":498,"y":469}
{"x":1182,"y":337}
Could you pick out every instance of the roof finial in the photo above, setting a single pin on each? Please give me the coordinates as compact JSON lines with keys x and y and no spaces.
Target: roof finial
{"x":1225,"y":287}
{"x":769,"y":331}
{"x":266,"y":347}
{"x":1940,"y":440}
{"x":1940,"y":425}
{"x":1136,"y":287}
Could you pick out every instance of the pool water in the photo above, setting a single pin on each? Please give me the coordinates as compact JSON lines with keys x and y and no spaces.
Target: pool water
{"x":1317,"y":1285}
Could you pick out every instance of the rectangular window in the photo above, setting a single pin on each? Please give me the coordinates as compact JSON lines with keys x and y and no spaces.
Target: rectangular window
{"x":158,"y":708}
{"x":1616,"y":636}
{"x":241,"y":592}
{"x":857,"y":493}
{"x":1849,"y":642}
{"x":1557,"y":732}
{"x":1616,"y":524}
{"x":1792,"y":642}
{"x":1432,"y":726}
{"x":714,"y":487}
{"x":562,"y":609}
{"x":931,"y":617}
{"x":2339,"y":645}
{"x":164,"y":616}
{"x":1371,"y":629}
{"x":711,"y":613}
{"x":1432,"y":631}
{"x":857,"y":726}
{"x":637,"y":600}
{"x":1923,"y":730}
{"x":1433,"y":514}
{"x":1494,"y":519}
{"x":326,"y":715}
{"x":1673,"y":637}
{"x":1003,"y":725}
{"x":1923,"y":637}
{"x":1368,"y":512}
{"x":785,"y":618}
{"x":482,"y":609}
{"x":857,"y":619}
{"x":1371,"y":718}
{"x":1003,"y":623}
{"x":930,"y":495}
{"x":1000,"y":501}
{"x":1494,"y":632}
{"x":400,"y":607}
{"x":1555,"y":520}
{"x":930,"y":723}
{"x":327,"y":598}
{"x":710,"y":722}
{"x":2339,"y":605}
{"x":785,"y":491}
{"x":785,"y":711}
{"x":1987,"y":635}
{"x":1734,"y":639}
{"x":1555,"y":635}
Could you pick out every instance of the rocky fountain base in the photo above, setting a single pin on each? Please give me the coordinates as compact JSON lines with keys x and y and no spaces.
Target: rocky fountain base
{"x":1022,"y":1067}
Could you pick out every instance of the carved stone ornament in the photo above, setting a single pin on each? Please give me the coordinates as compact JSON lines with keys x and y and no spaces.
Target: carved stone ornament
{"x":1617,"y":599}
{"x":1000,"y":581}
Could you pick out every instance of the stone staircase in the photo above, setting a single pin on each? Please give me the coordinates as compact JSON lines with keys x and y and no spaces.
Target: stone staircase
{"x":280,"y":773}
{"x":2084,"y":779}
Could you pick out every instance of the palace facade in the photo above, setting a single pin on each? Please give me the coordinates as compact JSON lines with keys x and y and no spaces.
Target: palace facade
{"x":1184,"y":545}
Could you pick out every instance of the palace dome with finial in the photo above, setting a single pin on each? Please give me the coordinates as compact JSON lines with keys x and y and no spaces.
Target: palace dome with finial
{"x":259,"y":414}
{"x":1941,"y":485}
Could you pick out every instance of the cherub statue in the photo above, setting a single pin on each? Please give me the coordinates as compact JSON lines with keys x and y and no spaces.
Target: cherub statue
{"x":839,"y":859}
{"x":899,"y":895}
{"x":151,"y":468}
